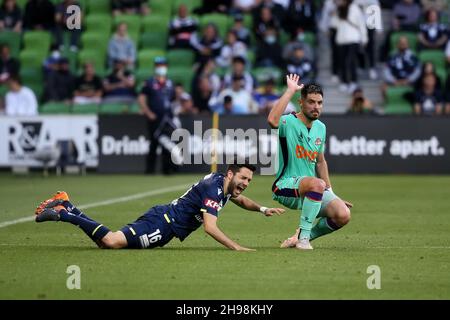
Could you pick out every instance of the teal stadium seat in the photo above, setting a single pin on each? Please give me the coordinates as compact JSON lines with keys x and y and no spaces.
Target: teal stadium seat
{"x":85,"y":109}
{"x":396,"y":103}
{"x":180,"y":58}
{"x":55,"y":108}
{"x":99,"y":23}
{"x":161,"y":7}
{"x":37,"y":41}
{"x":436,"y":57}
{"x":13,"y":40}
{"x":99,"y":6}
{"x":153,"y":40}
{"x":147,"y":56}
{"x":156,"y":23}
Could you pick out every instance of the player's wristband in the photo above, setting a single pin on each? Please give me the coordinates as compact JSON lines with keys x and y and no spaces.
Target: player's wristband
{"x":263,"y":209}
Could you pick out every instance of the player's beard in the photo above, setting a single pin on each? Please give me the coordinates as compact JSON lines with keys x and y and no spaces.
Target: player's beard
{"x":310,"y":117}
{"x":232,"y":187}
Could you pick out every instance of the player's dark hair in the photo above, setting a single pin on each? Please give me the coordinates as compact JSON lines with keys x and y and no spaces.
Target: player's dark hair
{"x":236,"y":167}
{"x":311,"y":89}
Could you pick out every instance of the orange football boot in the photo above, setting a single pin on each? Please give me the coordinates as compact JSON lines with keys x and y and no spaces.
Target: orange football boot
{"x":54,"y":202}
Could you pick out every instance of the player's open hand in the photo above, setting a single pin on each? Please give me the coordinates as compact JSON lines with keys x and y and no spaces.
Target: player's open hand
{"x":292,"y":82}
{"x":240,"y":248}
{"x":271,"y":211}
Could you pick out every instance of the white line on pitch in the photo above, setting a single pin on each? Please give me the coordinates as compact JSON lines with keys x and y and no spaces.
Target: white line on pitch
{"x":106,"y":202}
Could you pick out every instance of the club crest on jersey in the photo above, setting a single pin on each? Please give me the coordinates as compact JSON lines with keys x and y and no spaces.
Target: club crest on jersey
{"x":318,"y":142}
{"x":212,"y":204}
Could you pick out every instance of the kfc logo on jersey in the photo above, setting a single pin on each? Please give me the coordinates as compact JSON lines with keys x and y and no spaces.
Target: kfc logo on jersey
{"x":212,"y":204}
{"x":318,"y":142}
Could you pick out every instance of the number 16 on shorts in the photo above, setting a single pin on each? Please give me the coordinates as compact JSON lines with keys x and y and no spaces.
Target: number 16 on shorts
{"x":149,"y":239}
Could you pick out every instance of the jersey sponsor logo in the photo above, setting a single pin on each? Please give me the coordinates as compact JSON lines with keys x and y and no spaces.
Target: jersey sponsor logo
{"x":302,"y":153}
{"x":318,"y":142}
{"x":219,"y":191}
{"x":212,"y":204}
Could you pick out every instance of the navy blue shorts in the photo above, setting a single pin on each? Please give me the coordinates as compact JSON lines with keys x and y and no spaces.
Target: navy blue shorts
{"x":149,"y":231}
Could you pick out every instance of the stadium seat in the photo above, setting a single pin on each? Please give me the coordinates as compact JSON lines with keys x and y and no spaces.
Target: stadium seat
{"x":146,"y":57}
{"x":182,"y":75}
{"x":180,"y":57}
{"x":55,"y":108}
{"x":141,"y":75}
{"x":90,"y":40}
{"x":37,"y":41}
{"x":99,"y":6}
{"x":310,"y":39}
{"x":222,"y":22}
{"x":134,"y":108}
{"x":98,"y":23}
{"x":436,"y":57}
{"x":396,"y":102}
{"x":31,"y":76}
{"x":161,"y":7}
{"x":113,"y":108}
{"x":31,"y":58}
{"x":92,"y":55}
{"x":156,"y":23}
{"x":13,"y":40}
{"x":85,"y":109}
{"x":133,"y":22}
{"x":153,"y":40}
{"x":412,"y":39}
{"x":191,"y":5}
{"x":38,"y":90}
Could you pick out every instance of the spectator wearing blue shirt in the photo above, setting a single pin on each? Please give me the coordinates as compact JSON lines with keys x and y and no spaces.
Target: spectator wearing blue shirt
{"x":429,"y":100}
{"x":403,"y":67}
{"x":433,"y":35}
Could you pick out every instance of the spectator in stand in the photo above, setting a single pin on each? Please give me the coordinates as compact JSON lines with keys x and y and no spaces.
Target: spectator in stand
{"x":299,"y":64}
{"x":293,"y":43}
{"x":216,"y":6}
{"x":39,"y":15}
{"x":242,"y":33}
{"x":121,"y":47}
{"x":20,"y":100}
{"x":238,"y":70}
{"x":429,"y":100}
{"x":232,"y":48}
{"x":242,"y":100}
{"x":118,"y":87}
{"x":51,"y":63}
{"x":328,"y":25}
{"x":265,"y":21}
{"x":208,"y":45}
{"x":202,"y":93}
{"x":406,"y":16}
{"x":8,"y":65}
{"x":403,"y":67}
{"x":207,"y":69}
{"x":367,"y":56}
{"x":129,"y":7}
{"x":181,"y":28}
{"x":301,"y":16}
{"x":61,"y":17}
{"x":60,"y":83}
{"x":427,"y":68}
{"x":10,"y":16}
{"x":432,"y":35}
{"x":183,"y":104}
{"x":268,"y":51}
{"x":351,"y":35}
{"x":360,"y":105}
{"x":88,"y":87}
{"x":266,"y":96}
{"x":277,"y":10}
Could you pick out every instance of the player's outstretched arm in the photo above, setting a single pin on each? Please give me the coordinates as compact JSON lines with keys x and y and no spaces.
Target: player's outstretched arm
{"x":277,"y":111}
{"x":249,"y":204}
{"x":211,"y":228}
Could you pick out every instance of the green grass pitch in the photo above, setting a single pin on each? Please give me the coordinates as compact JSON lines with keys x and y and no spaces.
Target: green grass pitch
{"x":399,"y":223}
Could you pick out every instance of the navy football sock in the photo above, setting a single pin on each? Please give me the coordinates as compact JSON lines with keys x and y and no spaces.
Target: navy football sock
{"x":93,"y":229}
{"x":72,"y":209}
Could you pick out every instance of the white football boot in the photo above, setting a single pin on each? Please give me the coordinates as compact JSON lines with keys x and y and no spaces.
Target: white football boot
{"x":303,"y":244}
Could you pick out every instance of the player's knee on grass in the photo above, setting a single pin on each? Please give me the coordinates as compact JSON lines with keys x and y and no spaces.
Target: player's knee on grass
{"x":314,"y":185}
{"x":343,"y":215}
{"x":114,"y":240}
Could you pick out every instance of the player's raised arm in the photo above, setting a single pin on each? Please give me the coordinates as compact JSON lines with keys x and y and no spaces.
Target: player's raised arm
{"x":249,"y":204}
{"x":211,"y":228}
{"x":277,"y":111}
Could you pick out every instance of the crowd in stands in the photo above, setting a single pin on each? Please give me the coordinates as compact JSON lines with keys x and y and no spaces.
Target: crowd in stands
{"x":225,"y":56}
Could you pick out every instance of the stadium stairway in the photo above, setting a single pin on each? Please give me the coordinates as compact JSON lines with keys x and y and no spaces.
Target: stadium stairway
{"x":338,"y":102}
